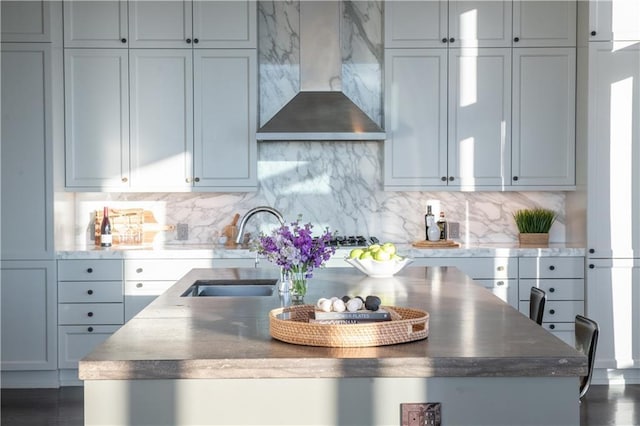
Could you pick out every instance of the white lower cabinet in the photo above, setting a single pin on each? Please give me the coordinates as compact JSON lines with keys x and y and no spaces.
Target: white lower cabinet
{"x":497,"y":274}
{"x":90,"y":309}
{"x":563,"y":281}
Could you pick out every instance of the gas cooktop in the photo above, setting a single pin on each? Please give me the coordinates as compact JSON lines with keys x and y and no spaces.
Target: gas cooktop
{"x":353,"y":241}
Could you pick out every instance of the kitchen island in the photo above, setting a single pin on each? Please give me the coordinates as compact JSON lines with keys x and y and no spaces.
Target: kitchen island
{"x":211,"y":360}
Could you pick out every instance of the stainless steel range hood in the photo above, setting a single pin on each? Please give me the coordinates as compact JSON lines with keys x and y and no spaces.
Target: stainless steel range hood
{"x":320,"y":111}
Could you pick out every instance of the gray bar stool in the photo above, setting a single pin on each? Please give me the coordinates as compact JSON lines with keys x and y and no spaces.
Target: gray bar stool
{"x":537,"y":300}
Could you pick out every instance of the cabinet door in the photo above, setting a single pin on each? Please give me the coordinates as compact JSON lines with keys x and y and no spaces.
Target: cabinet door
{"x":480,"y":23}
{"x":96,"y":118}
{"x":225,"y":113}
{"x":614,"y":151}
{"x":161,"y":102}
{"x":77,"y":341}
{"x":544,"y":23}
{"x":28,"y":315}
{"x":26,"y":172}
{"x":416,"y":117}
{"x":26,"y":21}
{"x":166,"y":24}
{"x":479,"y":117}
{"x":614,"y":20}
{"x":613,"y":301}
{"x":225,"y":23}
{"x":415,"y":23}
{"x":544,"y":117}
{"x":95,"y":23}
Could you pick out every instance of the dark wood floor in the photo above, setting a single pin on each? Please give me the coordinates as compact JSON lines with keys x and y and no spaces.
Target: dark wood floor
{"x":603,"y":405}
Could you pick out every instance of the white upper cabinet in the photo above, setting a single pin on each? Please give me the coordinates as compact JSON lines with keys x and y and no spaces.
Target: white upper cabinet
{"x":97,"y":118}
{"x":613,"y":229}
{"x":547,"y":23}
{"x":416,"y":24}
{"x":26,"y":21}
{"x":161,"y":102}
{"x":416,"y":117}
{"x":96,"y":24}
{"x":186,"y":24}
{"x":479,"y":117}
{"x":543,"y":117}
{"x":26,"y":172}
{"x":614,"y":20}
{"x":480,"y":23}
{"x":225,"y":117}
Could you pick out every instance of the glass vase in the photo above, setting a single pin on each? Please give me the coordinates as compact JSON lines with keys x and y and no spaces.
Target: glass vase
{"x":298,"y":285}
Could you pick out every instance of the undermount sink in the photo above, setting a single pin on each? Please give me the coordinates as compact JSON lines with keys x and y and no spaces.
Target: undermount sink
{"x":231,"y":288}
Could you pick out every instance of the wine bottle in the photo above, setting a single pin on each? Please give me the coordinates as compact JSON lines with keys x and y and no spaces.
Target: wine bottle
{"x":105,"y":229}
{"x":444,"y":228}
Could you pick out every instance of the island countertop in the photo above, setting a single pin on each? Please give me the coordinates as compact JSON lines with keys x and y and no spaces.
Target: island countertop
{"x":472,"y":333}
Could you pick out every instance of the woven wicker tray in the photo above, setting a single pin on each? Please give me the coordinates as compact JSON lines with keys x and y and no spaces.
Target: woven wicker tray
{"x":291,"y":325}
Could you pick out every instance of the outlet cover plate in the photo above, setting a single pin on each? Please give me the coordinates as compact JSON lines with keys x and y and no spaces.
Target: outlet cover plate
{"x":182,"y":232}
{"x":454,"y":230}
{"x":422,"y":414}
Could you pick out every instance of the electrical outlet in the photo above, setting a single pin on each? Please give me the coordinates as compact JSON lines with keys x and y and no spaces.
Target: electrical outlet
{"x":182,"y":232}
{"x":454,"y":230}
{"x":424,"y":414}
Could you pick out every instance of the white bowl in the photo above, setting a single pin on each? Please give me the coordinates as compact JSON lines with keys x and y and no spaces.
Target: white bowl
{"x":379,"y":269}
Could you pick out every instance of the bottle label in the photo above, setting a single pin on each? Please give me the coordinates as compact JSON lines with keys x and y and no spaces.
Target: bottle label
{"x":106,"y":239}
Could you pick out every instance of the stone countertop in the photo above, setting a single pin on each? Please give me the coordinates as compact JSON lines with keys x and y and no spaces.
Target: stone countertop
{"x":472,"y":333}
{"x":177,"y":251}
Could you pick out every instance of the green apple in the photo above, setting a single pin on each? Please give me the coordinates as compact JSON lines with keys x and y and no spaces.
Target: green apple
{"x":366,"y":255}
{"x":374,"y":247}
{"x":382,"y":255}
{"x":389,"y":248}
{"x":355,"y":253}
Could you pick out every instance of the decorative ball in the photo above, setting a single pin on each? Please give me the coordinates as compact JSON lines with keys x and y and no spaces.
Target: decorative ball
{"x":338,"y":305}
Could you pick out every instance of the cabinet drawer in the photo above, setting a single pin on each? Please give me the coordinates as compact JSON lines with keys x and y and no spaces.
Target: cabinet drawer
{"x":557,"y":311}
{"x":77,"y":341}
{"x":146,"y":288}
{"x":569,"y":289}
{"x":563,"y":330}
{"x":89,"y":291}
{"x":90,"y":313}
{"x":90,"y":270}
{"x":551,"y":267}
{"x":162,"y":269}
{"x":476,"y":267}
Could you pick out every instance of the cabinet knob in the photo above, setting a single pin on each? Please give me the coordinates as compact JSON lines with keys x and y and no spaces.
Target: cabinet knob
{"x":552,"y":311}
{"x":593,"y":33}
{"x":515,"y":178}
{"x":90,"y":329}
{"x":451,"y":40}
{"x":443,"y":178}
{"x":188,"y":41}
{"x":516,"y":39}
{"x":451,"y":178}
{"x":124,"y":40}
{"x":552,"y":326}
{"x":197,"y":179}
{"x":591,"y":266}
{"x":551,"y":290}
{"x":90,"y":314}
{"x":444,"y":39}
{"x":499,"y":283}
{"x":125,"y":179}
{"x":139,"y":285}
{"x":500,"y":268}
{"x":552,"y":268}
{"x":139,"y":270}
{"x":89,"y":270}
{"x":195,"y":40}
{"x":89,"y":292}
{"x":592,"y":251}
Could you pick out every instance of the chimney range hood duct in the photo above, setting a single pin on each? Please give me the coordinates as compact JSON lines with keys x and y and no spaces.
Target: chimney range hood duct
{"x":320,"y":111}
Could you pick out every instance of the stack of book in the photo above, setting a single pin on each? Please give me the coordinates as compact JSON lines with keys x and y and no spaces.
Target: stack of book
{"x":358,"y":317}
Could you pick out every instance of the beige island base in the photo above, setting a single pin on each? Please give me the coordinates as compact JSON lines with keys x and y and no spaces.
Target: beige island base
{"x":212,"y":361}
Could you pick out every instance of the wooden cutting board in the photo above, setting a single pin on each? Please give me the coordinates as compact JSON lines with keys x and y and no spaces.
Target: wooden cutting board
{"x":131,"y":226}
{"x":435,"y":244}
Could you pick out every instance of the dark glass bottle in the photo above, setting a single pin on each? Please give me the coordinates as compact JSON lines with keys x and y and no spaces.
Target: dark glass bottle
{"x":444,"y":228}
{"x":105,"y":229}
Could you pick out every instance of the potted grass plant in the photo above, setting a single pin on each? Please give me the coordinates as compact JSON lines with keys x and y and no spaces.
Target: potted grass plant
{"x":534,"y":226}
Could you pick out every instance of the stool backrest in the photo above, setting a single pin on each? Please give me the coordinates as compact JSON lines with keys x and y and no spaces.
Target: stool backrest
{"x":537,"y":300}
{"x":586,"y":341}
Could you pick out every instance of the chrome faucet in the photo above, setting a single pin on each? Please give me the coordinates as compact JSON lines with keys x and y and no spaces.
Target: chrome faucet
{"x":253,"y":211}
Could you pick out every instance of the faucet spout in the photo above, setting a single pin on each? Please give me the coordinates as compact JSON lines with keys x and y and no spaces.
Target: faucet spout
{"x":253,"y":211}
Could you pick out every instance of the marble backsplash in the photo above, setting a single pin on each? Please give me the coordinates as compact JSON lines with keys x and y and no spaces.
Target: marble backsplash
{"x":335,"y":184}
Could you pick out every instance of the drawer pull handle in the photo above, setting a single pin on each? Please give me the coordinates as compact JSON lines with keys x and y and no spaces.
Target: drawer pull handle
{"x":139,"y":270}
{"x":444,"y":40}
{"x":90,"y":314}
{"x":90,"y":329}
{"x":89,"y":292}
{"x":593,"y":33}
{"x":592,"y":251}
{"x":89,"y":270}
{"x":516,"y":39}
{"x":552,"y":311}
{"x":500,"y":268}
{"x":552,"y":268}
{"x":592,"y":266}
{"x":123,"y":40}
{"x":552,"y":326}
{"x":139,"y":285}
{"x":551,"y":290}
{"x":500,"y":283}
{"x":451,"y":40}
